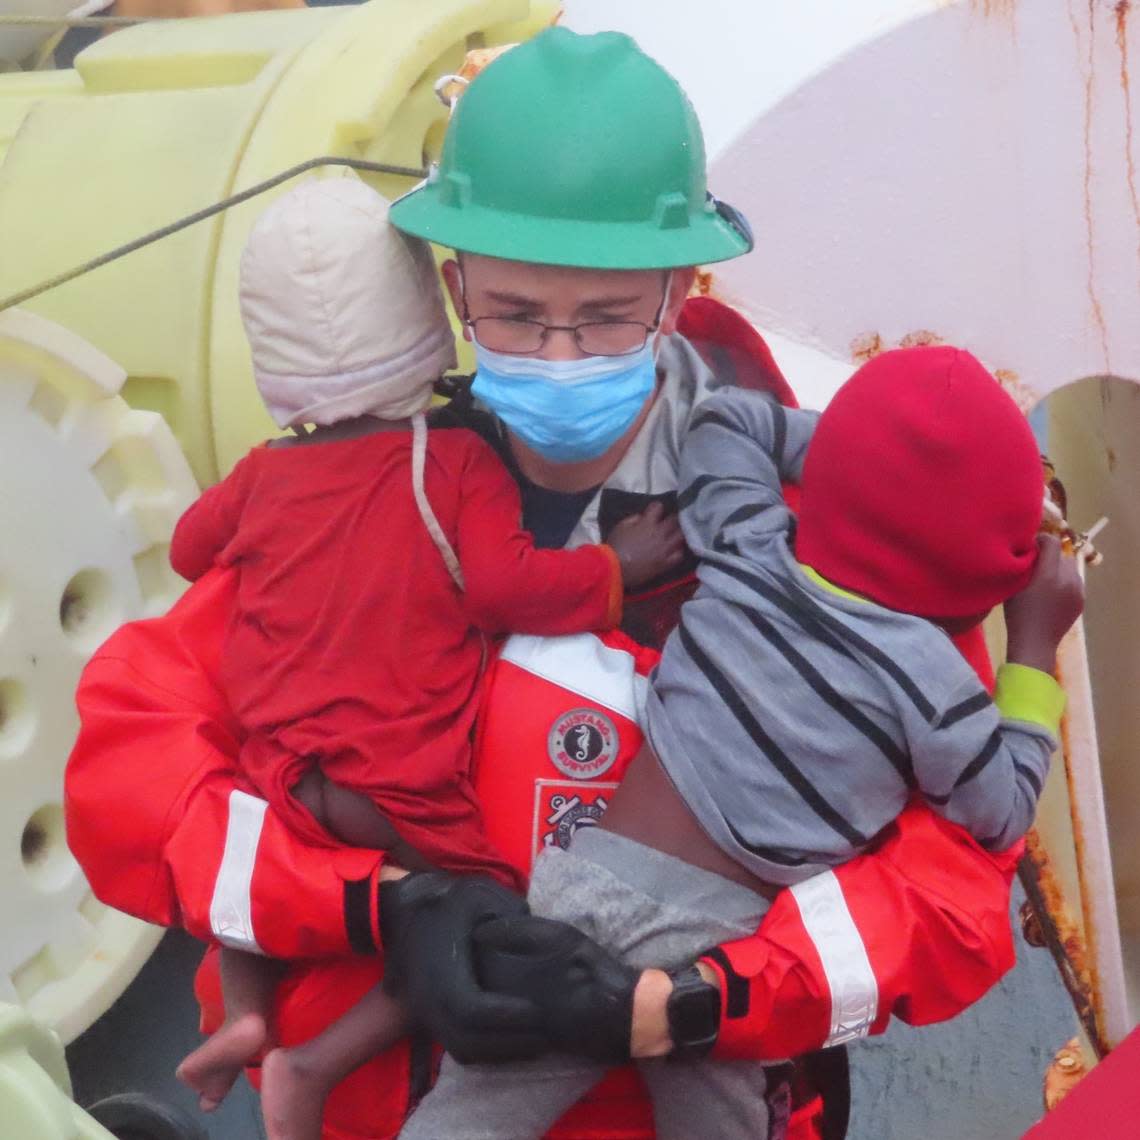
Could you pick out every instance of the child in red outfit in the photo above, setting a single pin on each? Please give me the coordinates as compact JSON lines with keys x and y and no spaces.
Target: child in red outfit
{"x":373,"y":558}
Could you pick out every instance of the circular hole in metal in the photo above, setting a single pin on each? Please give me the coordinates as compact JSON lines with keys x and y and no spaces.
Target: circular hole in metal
{"x":17,"y":720}
{"x":87,"y":608}
{"x":43,"y":849}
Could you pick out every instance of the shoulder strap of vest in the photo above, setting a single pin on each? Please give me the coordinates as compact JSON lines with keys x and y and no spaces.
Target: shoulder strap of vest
{"x":707,"y":321}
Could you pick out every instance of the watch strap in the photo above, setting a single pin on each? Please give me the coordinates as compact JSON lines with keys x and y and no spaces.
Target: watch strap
{"x":693,"y":1013}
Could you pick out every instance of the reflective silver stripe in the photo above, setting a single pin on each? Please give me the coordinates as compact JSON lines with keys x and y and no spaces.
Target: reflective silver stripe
{"x":231,"y":919}
{"x":854,"y":990}
{"x":581,"y":663}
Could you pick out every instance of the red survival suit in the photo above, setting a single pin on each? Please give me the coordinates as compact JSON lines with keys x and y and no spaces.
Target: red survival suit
{"x":164,"y":829}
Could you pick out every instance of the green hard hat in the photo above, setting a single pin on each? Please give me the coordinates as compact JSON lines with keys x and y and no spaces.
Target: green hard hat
{"x":575,"y":150}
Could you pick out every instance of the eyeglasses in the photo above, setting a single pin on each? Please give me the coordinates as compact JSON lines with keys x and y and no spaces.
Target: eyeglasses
{"x":517,"y":337}
{"x":594,"y":338}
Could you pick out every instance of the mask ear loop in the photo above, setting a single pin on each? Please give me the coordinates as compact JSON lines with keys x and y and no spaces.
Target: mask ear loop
{"x":465,"y":316}
{"x":656,"y":327}
{"x":664,"y":298}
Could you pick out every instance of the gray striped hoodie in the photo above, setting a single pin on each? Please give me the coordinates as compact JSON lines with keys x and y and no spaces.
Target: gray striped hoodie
{"x":797,"y":721}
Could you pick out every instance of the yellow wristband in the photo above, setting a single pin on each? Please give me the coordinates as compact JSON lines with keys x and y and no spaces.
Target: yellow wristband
{"x":1023,"y":693}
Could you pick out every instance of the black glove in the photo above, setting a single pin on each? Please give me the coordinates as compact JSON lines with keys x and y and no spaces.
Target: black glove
{"x":427,"y":921}
{"x":584,"y":992}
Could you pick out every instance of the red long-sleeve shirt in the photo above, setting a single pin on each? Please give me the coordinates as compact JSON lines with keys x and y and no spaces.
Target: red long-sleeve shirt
{"x":351,"y":644}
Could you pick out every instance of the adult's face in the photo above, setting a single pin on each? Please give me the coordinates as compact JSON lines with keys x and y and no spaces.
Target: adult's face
{"x":490,"y":288}
{"x":565,"y":296}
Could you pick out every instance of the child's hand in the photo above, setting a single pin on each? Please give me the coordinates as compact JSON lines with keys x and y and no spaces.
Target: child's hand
{"x":647,"y":545}
{"x":1038,"y":617}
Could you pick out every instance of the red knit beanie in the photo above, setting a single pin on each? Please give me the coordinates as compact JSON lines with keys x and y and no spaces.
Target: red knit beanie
{"x":922,"y":488}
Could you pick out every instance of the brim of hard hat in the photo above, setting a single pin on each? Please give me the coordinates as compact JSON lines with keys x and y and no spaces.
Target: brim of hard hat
{"x":563,"y":241}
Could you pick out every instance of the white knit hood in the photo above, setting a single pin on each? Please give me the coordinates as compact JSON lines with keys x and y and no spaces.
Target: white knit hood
{"x":343,"y":313}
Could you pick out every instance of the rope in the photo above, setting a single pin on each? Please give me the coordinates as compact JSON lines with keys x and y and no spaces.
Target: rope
{"x":47,"y":48}
{"x":446,"y":550}
{"x":419,"y":454}
{"x":79,"y":21}
{"x":200,"y":216}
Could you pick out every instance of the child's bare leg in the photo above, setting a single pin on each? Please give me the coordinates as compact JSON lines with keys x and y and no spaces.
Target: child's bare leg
{"x":296,"y":1081}
{"x":353,"y":818}
{"x":248,"y":982}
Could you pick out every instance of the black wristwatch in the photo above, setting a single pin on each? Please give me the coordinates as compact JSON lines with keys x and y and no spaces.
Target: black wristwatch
{"x":693,"y":1012}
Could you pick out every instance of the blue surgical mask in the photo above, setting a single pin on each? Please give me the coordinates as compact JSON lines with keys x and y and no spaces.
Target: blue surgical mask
{"x":568,"y":411}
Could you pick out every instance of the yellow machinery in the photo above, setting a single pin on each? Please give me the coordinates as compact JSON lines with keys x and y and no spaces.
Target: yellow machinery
{"x":126,"y":388}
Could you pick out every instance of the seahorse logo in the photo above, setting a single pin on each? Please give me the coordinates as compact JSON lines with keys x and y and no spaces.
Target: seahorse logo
{"x":583,"y":743}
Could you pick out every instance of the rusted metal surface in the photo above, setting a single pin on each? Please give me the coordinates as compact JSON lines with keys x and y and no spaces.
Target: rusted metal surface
{"x":1006,"y":9}
{"x":869,"y":345}
{"x":1082,"y":951}
{"x":1085,"y":33}
{"x":920,"y":337}
{"x":866,"y":347}
{"x":1063,"y":1074}
{"x":1023,"y":396}
{"x":1062,"y":934}
{"x":1121,"y":12}
{"x":1031,"y":926}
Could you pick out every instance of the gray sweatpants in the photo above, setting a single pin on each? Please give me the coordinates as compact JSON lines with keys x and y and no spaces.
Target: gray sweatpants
{"x":654,"y":911}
